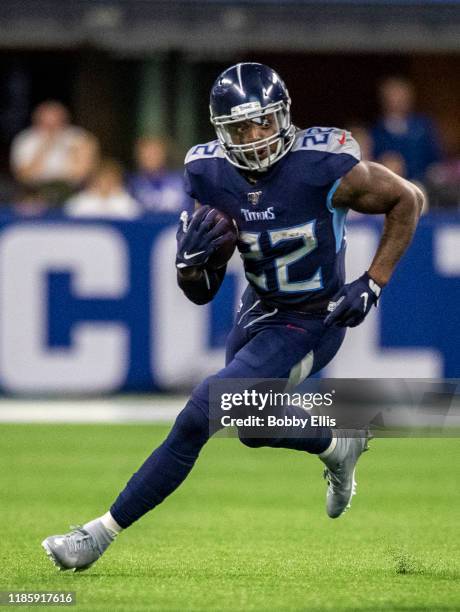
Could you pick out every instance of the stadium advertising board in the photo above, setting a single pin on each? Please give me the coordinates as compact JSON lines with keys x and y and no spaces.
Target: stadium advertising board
{"x":93,"y":307}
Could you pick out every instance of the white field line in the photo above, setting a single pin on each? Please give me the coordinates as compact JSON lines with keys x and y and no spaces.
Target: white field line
{"x":152,"y":409}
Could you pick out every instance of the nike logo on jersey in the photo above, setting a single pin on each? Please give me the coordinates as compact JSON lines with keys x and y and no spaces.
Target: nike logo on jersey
{"x":365,"y":297}
{"x":192,"y":255}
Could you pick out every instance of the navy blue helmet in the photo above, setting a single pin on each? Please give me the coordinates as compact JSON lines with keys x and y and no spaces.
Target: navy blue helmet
{"x":252,"y":92}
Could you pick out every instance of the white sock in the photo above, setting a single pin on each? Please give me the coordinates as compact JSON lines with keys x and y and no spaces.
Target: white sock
{"x":329,"y":449}
{"x":110,"y":523}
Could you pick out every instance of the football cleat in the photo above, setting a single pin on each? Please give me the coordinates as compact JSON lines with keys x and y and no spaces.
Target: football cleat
{"x":80,"y":548}
{"x":340,"y":471}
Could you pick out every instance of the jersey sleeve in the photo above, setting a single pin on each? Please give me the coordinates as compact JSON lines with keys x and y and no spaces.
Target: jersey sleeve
{"x":331,"y":151}
{"x":344,"y":153}
{"x":201,"y":170}
{"x":188,"y":184}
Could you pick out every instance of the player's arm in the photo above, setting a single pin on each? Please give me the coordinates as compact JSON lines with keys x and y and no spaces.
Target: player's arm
{"x":195,"y":242}
{"x":370,"y":188}
{"x":373,"y":189}
{"x":199,"y":284}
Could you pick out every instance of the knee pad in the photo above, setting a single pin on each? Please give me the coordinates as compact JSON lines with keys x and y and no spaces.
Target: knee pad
{"x":191,"y":421}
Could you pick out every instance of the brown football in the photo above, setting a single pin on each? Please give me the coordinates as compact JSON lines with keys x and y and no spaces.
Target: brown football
{"x":228,"y":242}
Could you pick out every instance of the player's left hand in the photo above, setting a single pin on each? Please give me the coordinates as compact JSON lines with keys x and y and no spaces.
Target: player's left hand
{"x":197,"y":237}
{"x":352,"y":304}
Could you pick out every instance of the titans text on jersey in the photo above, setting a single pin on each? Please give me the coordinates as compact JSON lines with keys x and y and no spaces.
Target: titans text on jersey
{"x":291,"y":239}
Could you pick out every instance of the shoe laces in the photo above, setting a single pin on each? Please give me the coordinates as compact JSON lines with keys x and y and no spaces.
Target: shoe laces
{"x":79,"y":539}
{"x":333,"y":478}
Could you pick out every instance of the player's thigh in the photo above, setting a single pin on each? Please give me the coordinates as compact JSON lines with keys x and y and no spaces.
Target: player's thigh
{"x":271,"y":353}
{"x":236,"y":339}
{"x":326,"y":350}
{"x":280,"y":351}
{"x":294,"y":352}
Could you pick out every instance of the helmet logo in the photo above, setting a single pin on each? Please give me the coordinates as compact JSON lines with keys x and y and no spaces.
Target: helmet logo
{"x":246,"y":108}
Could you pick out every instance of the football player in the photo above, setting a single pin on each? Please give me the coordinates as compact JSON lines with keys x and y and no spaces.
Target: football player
{"x":288,"y":191}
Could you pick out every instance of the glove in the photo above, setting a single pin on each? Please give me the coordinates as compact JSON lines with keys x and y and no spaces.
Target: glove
{"x":198,"y":238}
{"x":353,"y":302}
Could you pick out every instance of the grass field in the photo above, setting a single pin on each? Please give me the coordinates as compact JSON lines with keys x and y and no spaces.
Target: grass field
{"x":247,"y":531}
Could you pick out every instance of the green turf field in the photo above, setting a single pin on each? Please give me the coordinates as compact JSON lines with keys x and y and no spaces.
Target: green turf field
{"x":247,"y":531}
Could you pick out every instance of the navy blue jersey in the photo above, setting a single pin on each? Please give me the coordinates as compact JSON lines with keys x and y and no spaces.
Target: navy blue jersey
{"x":291,"y":239}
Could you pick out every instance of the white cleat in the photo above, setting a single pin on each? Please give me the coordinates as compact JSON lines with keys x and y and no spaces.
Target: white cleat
{"x":340,"y":471}
{"x":80,"y":548}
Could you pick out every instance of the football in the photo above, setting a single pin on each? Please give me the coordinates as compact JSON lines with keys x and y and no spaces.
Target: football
{"x":227,"y":247}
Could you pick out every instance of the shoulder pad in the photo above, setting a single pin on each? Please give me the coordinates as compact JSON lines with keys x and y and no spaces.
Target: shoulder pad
{"x":327,"y":140}
{"x":208,"y":150}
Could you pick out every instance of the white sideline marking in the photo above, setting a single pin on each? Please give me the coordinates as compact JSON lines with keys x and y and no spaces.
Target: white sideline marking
{"x":151,"y":409}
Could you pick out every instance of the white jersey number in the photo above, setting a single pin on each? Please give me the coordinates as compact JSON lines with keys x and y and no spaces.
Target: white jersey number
{"x":282,"y":263}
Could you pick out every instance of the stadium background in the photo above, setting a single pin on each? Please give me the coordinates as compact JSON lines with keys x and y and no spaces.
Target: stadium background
{"x":127,"y":69}
{"x":98,"y":345}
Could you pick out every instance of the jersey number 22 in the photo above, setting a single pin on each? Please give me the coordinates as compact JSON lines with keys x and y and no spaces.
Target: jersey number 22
{"x":281,"y":263}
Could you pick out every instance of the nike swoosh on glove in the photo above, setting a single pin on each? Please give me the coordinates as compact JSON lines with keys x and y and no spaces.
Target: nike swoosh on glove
{"x":352,"y":304}
{"x":198,"y":238}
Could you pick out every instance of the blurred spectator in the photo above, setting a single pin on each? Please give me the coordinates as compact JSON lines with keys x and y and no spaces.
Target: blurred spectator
{"x":53,"y":155}
{"x":29,"y":203}
{"x":444,"y":184}
{"x":157,"y":189}
{"x":105,"y":195}
{"x":404,"y":132}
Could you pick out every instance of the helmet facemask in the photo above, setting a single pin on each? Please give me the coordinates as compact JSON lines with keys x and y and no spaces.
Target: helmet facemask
{"x":261,"y":154}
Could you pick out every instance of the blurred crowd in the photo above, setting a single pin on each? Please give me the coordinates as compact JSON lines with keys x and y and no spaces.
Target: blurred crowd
{"x":408,"y":144}
{"x":58,"y":166}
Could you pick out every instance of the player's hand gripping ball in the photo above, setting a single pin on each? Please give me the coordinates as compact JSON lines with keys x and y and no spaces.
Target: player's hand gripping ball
{"x":208,"y":239}
{"x":225,"y":244}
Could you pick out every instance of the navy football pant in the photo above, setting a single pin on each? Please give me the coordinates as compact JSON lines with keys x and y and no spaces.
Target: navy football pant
{"x":264,"y":343}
